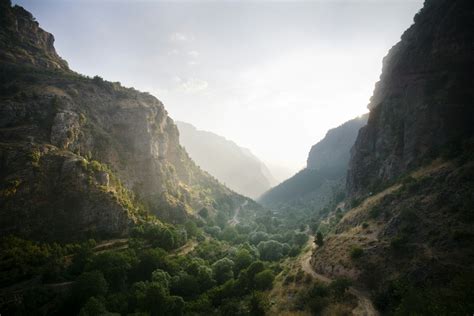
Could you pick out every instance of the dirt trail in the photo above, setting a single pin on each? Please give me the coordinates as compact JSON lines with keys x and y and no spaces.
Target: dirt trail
{"x":234,"y":221}
{"x":186,"y":248}
{"x":112,"y":244}
{"x":364,"y":306}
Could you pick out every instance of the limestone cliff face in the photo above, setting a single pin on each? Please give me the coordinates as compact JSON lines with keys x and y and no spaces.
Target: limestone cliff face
{"x":423,"y":101}
{"x":407,"y":230}
{"x":22,"y":40}
{"x":82,"y":156}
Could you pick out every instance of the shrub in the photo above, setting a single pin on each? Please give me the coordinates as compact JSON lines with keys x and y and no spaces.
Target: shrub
{"x":272,"y":250}
{"x":300,"y":239}
{"x":264,"y":280}
{"x":339,"y":286}
{"x":87,"y":285}
{"x":223,"y":270}
{"x":356,"y":252}
{"x":319,"y":239}
{"x":93,"y":307}
{"x":114,"y":266}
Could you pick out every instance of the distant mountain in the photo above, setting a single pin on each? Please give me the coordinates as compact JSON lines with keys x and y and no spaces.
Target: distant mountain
{"x":331,"y":155}
{"x":325,"y":171}
{"x":231,"y":164}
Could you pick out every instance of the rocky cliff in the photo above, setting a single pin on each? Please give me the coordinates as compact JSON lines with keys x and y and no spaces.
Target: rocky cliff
{"x":423,"y":101}
{"x":325,"y":173}
{"x":235,"y":166}
{"x":406,"y":228}
{"x":82,"y":156}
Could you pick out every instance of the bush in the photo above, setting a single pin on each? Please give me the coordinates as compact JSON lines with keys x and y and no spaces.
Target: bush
{"x":319,"y":239}
{"x":339,"y":286}
{"x":272,"y":250}
{"x":242,"y":260}
{"x":93,"y":307}
{"x":316,"y":305}
{"x":223,"y":270}
{"x":114,"y":266}
{"x":87,"y":285}
{"x":300,"y":239}
{"x":356,"y":252}
{"x":264,"y":280}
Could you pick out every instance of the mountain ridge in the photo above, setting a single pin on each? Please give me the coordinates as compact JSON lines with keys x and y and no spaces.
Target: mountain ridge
{"x":233,"y":165}
{"x":324,"y":176}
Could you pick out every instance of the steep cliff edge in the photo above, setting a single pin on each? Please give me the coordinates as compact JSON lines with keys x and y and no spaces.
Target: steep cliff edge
{"x":423,"y":101}
{"x":86,"y":157}
{"x":406,"y":230}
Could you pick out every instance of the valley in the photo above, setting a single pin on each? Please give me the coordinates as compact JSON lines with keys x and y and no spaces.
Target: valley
{"x":110,"y":207}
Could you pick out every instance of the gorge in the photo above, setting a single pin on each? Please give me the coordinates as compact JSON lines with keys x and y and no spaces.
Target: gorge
{"x":104,"y":212}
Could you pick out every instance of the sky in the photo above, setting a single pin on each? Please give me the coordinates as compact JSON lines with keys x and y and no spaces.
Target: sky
{"x":272,"y":76}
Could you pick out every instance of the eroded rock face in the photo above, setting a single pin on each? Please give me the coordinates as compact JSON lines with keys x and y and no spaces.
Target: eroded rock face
{"x":23,"y":41}
{"x":85,"y":157}
{"x":65,"y":129}
{"x":423,"y":101}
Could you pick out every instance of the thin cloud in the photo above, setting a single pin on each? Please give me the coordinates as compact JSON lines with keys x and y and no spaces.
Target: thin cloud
{"x":179,"y":37}
{"x":194,"y":85}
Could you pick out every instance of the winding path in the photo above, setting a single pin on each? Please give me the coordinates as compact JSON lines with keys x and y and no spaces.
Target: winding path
{"x":364,"y":306}
{"x":234,"y":221}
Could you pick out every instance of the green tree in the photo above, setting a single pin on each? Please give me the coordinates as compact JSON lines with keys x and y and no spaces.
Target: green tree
{"x":89,"y":284}
{"x":114,"y":266}
{"x":191,"y":229}
{"x":300,"y":239}
{"x":162,"y":277}
{"x":258,"y":304}
{"x":93,"y":307}
{"x":319,"y":239}
{"x":272,"y":250}
{"x":185,"y":285}
{"x":264,"y":280}
{"x":242,"y":260}
{"x":223,"y":270}
{"x":150,"y":260}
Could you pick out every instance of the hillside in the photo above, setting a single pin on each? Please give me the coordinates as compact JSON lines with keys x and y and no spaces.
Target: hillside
{"x":82,"y":156}
{"x":324,"y":176}
{"x":232,"y":165}
{"x":406,"y":230}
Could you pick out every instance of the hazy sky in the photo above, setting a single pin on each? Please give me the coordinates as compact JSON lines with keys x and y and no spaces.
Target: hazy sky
{"x":271,"y":76}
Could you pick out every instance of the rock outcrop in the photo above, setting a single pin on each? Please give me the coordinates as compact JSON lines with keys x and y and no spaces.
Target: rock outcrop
{"x":23,"y":41}
{"x":86,"y":157}
{"x":423,"y":101}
